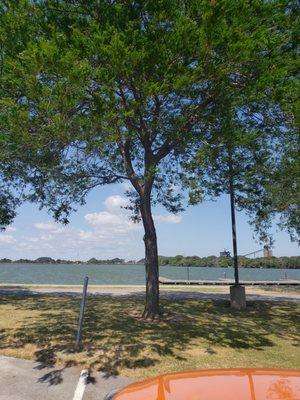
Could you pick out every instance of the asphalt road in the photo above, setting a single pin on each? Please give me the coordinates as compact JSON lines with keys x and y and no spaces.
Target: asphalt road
{"x":27,"y":380}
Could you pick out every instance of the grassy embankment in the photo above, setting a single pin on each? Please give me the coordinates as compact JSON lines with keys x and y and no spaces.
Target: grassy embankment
{"x":199,"y":334}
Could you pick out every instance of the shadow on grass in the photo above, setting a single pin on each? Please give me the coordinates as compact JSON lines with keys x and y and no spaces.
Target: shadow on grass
{"x":114,"y":339}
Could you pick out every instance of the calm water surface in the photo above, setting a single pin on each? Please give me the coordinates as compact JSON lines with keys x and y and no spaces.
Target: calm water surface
{"x":66,"y":274}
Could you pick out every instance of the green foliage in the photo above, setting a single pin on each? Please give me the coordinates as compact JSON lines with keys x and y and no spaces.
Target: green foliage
{"x":15,"y":32}
{"x":110,"y":261}
{"x":104,"y":94}
{"x":8,"y":204}
{"x":226,"y":262}
{"x":284,"y":189}
{"x":99,"y":93}
{"x":252,"y":136}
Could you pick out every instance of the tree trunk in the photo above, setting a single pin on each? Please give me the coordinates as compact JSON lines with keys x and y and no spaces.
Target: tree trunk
{"x":151,"y":310}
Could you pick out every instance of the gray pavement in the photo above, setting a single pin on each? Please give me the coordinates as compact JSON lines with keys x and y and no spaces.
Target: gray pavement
{"x":27,"y":380}
{"x":119,"y":291}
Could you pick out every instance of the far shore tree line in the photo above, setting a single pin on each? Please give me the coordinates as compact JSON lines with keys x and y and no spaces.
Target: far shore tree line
{"x":49,"y":260}
{"x":183,"y":101}
{"x":178,"y":261}
{"x":226,"y":262}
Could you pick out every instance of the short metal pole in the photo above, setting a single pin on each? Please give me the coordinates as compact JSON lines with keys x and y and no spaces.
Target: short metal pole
{"x":81,"y":315}
{"x":188,"y":274}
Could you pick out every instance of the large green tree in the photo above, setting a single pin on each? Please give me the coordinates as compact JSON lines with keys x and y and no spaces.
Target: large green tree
{"x":17,"y":27}
{"x":252,"y":142}
{"x":128,"y":90}
{"x":106,"y":94}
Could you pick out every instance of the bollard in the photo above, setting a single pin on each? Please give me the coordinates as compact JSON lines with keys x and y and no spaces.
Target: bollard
{"x":81,"y":314}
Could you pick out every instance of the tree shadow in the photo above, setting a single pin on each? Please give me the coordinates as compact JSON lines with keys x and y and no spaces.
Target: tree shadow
{"x":15,"y":290}
{"x":47,"y":358}
{"x":114,"y":339}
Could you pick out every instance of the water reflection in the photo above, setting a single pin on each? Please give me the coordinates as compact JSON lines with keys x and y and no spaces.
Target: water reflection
{"x":280,"y":390}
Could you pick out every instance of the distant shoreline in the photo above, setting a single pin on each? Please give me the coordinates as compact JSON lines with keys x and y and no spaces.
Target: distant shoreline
{"x":223,"y":261}
{"x":142,"y":265}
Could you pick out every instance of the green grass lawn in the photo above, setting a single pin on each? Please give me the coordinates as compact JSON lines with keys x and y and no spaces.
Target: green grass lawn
{"x":195,"y":334}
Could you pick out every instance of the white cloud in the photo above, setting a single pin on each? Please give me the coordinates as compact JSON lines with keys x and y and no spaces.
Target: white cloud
{"x":49,"y":226}
{"x":33,"y":239}
{"x":127,"y":186}
{"x":102,"y":218}
{"x":10,"y":229}
{"x":7,"y":239}
{"x":107,"y":233}
{"x":45,"y":226}
{"x":46,"y":237}
{"x":116,"y":204}
{"x":84,"y":235}
{"x":115,"y":221}
{"x":168,"y":218}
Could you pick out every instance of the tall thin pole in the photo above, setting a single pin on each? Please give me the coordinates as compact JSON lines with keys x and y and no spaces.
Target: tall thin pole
{"x":233,"y":225}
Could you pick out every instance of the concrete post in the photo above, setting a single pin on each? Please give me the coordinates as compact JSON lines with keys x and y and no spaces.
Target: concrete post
{"x":237,"y":297}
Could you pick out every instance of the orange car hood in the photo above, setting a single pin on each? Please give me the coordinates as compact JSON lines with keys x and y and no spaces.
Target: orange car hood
{"x":230,"y":384}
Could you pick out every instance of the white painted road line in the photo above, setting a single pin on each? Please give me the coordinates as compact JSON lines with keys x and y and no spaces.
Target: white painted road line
{"x":80,"y":388}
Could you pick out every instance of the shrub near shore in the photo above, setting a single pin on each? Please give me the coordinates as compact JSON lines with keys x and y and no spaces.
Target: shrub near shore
{"x":225,"y":262}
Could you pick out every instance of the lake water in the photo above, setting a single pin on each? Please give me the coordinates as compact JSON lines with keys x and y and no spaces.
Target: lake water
{"x":73,"y":274}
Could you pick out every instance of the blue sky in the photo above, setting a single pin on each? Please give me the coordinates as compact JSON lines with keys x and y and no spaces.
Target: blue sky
{"x":103,"y":230}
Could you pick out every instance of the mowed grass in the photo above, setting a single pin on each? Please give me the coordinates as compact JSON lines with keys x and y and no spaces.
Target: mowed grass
{"x":195,"y":335}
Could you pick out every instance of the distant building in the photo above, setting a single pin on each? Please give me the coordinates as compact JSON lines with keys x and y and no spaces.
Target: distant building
{"x":225,"y":253}
{"x":268,"y":251}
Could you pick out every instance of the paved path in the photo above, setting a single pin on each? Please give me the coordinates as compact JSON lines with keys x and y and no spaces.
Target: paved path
{"x":27,"y":380}
{"x":118,"y":291}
